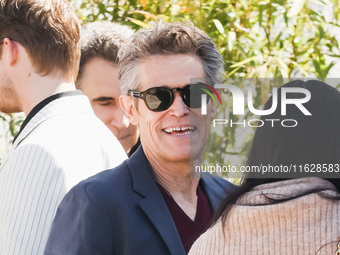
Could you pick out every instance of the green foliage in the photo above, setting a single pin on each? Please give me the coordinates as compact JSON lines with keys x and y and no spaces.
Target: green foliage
{"x":9,"y":127}
{"x":266,"y":39}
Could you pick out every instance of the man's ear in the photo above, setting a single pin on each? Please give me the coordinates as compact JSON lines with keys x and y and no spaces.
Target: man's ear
{"x":128,"y":106}
{"x":10,"y":51}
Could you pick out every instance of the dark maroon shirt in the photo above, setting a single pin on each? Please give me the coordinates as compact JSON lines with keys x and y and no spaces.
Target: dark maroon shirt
{"x":189,"y":230}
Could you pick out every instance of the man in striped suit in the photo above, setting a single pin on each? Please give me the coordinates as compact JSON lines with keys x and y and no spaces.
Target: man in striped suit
{"x":61,"y":141}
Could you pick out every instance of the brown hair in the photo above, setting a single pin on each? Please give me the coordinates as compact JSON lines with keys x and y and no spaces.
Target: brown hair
{"x":168,"y":39}
{"x":101,"y":39}
{"x":49,"y":30}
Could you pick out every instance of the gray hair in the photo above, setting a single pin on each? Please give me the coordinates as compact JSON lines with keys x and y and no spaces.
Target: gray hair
{"x":168,"y":39}
{"x":102,"y":39}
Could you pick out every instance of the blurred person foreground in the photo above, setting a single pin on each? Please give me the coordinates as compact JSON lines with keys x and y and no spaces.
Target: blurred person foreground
{"x":286,"y":215}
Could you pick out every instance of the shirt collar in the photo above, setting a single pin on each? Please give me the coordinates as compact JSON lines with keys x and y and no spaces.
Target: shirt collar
{"x":42,"y":104}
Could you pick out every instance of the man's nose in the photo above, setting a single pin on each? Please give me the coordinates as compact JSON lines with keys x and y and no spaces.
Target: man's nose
{"x":178,"y":107}
{"x":119,"y":120}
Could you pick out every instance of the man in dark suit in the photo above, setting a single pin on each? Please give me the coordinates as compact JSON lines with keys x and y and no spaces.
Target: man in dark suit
{"x":153,"y":203}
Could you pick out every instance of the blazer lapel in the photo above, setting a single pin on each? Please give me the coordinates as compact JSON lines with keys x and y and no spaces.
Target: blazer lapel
{"x":152,"y":202}
{"x":215,"y":193}
{"x":155,"y":208}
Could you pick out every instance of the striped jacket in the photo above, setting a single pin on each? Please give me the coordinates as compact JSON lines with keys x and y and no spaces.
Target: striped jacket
{"x":61,"y":145}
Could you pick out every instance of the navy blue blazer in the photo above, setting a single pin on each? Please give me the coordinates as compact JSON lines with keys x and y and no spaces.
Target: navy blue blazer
{"x":122,"y":212}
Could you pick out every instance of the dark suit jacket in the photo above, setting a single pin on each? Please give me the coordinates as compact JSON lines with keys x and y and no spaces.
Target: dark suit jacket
{"x":121,"y":211}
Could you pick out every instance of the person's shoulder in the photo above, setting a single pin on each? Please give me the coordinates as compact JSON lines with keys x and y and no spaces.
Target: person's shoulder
{"x":82,"y":137}
{"x":108,"y":182}
{"x":31,"y":152}
{"x":109,"y":176}
{"x":72,"y":120}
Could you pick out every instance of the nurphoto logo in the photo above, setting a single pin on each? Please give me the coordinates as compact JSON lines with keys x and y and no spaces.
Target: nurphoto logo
{"x":238,"y":99}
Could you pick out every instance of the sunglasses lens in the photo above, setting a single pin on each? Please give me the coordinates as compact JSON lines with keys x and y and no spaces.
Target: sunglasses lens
{"x":192,"y":96}
{"x":158,"y":99}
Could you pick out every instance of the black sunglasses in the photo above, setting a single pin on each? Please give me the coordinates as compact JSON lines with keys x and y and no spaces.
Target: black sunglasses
{"x":159,"y":99}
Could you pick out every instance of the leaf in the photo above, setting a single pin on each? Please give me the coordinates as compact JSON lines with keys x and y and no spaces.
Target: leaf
{"x":317,"y":68}
{"x":301,"y":69}
{"x":285,"y":16}
{"x":261,"y":9}
{"x":278,"y":38}
{"x":334,"y":55}
{"x":334,"y":24}
{"x":243,"y":62}
{"x":233,"y":71}
{"x":102,"y":8}
{"x":328,"y":68}
{"x":321,"y":31}
{"x":139,"y":23}
{"x":283,"y":68}
{"x":219,"y":27}
{"x":315,"y":16}
{"x":296,"y":8}
{"x":147,"y":15}
{"x":231,"y":40}
{"x":18,"y":122}
{"x":242,"y":51}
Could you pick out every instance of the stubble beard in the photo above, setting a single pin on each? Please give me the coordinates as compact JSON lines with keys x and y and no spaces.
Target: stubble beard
{"x":9,"y":99}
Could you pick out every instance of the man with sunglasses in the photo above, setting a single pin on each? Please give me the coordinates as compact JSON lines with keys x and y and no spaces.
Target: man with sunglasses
{"x":153,"y":203}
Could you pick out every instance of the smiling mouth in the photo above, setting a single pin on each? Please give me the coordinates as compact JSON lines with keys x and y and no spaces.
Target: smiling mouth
{"x":179,"y":130}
